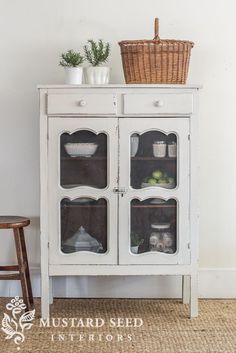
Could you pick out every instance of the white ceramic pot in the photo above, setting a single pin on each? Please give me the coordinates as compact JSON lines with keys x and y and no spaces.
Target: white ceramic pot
{"x":73,"y":75}
{"x":96,"y":75}
{"x":134,"y":249}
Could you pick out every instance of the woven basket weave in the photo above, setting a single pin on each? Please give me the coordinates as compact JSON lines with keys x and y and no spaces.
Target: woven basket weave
{"x":157,"y":60}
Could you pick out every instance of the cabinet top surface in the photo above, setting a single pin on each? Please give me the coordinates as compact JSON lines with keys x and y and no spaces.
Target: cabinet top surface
{"x":124,"y":86}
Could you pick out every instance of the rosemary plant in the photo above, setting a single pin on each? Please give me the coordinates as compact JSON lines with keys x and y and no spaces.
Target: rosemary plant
{"x":71,"y":59}
{"x":96,"y":53}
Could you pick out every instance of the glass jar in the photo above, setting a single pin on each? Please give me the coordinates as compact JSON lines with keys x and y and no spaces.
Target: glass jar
{"x":159,"y":149}
{"x":172,"y":149}
{"x":161,"y":238}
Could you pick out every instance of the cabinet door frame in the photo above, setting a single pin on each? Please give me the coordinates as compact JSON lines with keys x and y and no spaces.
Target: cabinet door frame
{"x":181,"y":193}
{"x":57,"y":126}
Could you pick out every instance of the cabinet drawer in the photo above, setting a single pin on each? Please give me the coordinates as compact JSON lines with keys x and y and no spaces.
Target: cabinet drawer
{"x":81,"y":104}
{"x":156,"y":104}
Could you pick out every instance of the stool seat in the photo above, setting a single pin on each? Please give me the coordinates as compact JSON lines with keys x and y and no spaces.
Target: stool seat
{"x":12,"y":222}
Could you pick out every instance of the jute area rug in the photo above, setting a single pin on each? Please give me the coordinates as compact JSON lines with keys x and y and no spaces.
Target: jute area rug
{"x":166,"y":327}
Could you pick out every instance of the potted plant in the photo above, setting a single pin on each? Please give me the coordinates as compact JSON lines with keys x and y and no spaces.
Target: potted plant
{"x":71,"y":61}
{"x":97,"y":53}
{"x":135,"y":242}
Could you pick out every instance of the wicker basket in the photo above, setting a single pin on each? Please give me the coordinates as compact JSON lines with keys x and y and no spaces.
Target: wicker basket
{"x":157,"y":60}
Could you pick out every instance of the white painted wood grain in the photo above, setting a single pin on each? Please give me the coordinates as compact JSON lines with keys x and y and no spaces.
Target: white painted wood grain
{"x":175,"y":108}
{"x":81,"y":104}
{"x":181,"y":193}
{"x":158,"y":103}
{"x":56,"y":193}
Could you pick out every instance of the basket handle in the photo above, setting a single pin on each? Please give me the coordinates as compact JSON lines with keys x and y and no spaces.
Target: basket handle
{"x":156,"y":29}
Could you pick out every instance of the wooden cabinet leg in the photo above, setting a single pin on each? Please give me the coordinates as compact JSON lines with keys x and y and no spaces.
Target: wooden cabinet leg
{"x":193,"y":296}
{"x":186,"y":289}
{"x":45,"y":289}
{"x":23,"y":268}
{"x":50,"y":290}
{"x":44,"y":296}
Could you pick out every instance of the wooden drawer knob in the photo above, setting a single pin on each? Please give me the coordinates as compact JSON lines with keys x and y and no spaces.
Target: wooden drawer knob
{"x":82,"y":103}
{"x":159,"y":103}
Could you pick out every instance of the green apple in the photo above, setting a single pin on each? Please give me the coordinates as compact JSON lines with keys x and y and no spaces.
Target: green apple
{"x":157,"y":174}
{"x":162,"y":181}
{"x":145,"y":180}
{"x":152,"y":181}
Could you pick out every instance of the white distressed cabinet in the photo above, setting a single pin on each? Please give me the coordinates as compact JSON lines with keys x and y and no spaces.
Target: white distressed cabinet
{"x":119,"y":183}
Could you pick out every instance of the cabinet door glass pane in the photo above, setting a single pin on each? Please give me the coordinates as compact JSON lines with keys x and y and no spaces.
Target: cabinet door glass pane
{"x":83,"y":159}
{"x":84,"y":225}
{"x":153,"y":226}
{"x":153,"y":160}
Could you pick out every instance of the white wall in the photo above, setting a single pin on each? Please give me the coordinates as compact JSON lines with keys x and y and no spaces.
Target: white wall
{"x":34,"y":33}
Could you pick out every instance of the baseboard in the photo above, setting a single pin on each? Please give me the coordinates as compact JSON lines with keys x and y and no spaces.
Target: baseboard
{"x":213,"y":283}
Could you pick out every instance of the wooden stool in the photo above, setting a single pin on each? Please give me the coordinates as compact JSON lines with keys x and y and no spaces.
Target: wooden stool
{"x":17,"y":224}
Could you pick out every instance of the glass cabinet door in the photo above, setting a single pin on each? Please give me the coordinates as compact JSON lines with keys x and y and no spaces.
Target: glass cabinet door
{"x":153,"y":226}
{"x":83,"y":225}
{"x":154,"y":175}
{"x":83,"y":171}
{"x":83,"y":159}
{"x":153,"y":160}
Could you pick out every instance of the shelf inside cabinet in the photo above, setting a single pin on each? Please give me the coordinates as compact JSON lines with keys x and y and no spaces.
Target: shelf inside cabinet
{"x":95,"y":158}
{"x":83,"y":206}
{"x":154,"y":206}
{"x":101,"y":158}
{"x":146,"y":158}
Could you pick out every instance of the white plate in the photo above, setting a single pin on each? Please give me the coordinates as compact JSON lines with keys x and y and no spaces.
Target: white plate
{"x":80,"y":155}
{"x":82,"y":200}
{"x":166,"y":185}
{"x":160,"y":226}
{"x":71,"y":186}
{"x":157,"y":201}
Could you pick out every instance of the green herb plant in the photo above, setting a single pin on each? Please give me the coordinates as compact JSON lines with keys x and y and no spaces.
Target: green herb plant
{"x":97,"y":53}
{"x":71,"y":59}
{"x":136,"y":240}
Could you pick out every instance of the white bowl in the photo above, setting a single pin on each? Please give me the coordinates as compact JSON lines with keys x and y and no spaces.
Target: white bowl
{"x":81,"y":149}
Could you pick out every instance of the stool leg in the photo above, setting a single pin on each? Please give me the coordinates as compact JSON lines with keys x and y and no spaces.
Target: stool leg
{"x":27,"y":273}
{"x":23,"y":268}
